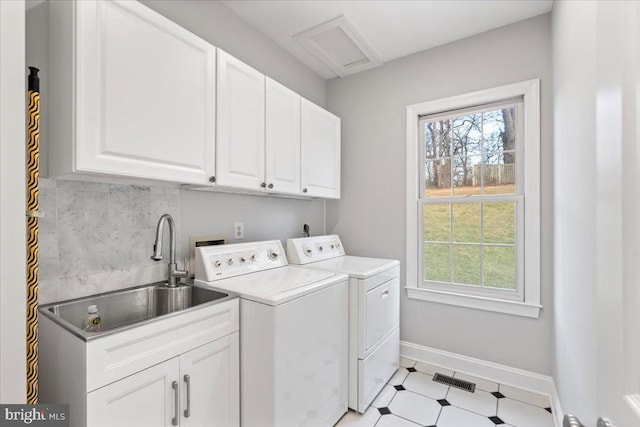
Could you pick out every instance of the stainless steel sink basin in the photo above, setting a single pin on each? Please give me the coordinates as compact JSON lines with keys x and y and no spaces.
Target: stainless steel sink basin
{"x":130,"y":307}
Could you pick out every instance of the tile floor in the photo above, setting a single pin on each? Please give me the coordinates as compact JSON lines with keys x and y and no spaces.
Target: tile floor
{"x":411,"y":398}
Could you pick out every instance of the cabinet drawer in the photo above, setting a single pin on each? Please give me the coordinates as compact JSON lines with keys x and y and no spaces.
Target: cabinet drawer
{"x":379,"y":314}
{"x":112,"y":357}
{"x":377,"y":369}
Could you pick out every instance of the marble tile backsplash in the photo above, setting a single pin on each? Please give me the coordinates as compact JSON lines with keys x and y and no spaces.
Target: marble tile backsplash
{"x":96,"y":237}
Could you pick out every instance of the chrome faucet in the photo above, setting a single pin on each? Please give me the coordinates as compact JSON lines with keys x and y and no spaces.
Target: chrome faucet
{"x":174,"y":273}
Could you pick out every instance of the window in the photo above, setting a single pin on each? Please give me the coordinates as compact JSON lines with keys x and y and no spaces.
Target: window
{"x":473,"y":200}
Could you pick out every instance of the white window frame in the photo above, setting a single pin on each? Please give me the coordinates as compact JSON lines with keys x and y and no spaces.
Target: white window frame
{"x":528,"y":304}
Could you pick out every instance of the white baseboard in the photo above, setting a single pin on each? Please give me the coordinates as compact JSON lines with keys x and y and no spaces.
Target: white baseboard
{"x":520,"y":378}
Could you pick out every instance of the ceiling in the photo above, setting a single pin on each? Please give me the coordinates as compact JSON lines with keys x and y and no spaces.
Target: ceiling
{"x":391,"y":29}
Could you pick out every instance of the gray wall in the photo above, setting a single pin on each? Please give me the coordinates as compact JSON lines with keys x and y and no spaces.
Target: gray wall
{"x":77,"y":258}
{"x":370,"y":217}
{"x":264,"y":218}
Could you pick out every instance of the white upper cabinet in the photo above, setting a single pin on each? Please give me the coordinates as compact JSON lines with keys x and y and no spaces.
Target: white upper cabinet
{"x":131,"y":93}
{"x":320,"y":152}
{"x":240,"y":149}
{"x":282,"y":139}
{"x":134,"y":95}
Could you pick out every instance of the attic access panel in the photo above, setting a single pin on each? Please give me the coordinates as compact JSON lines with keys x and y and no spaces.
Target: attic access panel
{"x":337,"y":44}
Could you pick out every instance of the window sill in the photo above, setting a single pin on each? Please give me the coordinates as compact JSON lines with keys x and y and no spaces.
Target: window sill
{"x":515,"y":308}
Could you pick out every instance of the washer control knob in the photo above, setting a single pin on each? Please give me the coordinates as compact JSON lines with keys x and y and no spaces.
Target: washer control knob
{"x":243,"y":259}
{"x":230,"y":261}
{"x":273,"y":254}
{"x":253,"y":257}
{"x":320,"y":248}
{"x":307,"y":251}
{"x":217,"y":263}
{"x":333,"y":246}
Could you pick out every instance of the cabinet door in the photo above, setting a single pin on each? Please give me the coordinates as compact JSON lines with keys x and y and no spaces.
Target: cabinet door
{"x":240,"y":141}
{"x":210,"y":377}
{"x":143,"y":399}
{"x":145,"y":95}
{"x":282,"y":139}
{"x":320,"y":152}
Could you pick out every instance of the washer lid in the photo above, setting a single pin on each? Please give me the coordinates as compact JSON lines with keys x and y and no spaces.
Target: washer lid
{"x":279,"y":285}
{"x":355,"y":266}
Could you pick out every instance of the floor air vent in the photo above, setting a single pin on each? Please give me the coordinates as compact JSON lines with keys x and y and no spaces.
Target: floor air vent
{"x":455,"y":382}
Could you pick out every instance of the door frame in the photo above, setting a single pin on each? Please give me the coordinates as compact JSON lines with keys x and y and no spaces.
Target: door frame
{"x":12,"y":203}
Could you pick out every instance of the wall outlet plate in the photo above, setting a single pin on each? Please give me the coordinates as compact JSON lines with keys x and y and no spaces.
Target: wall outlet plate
{"x":238,"y":230}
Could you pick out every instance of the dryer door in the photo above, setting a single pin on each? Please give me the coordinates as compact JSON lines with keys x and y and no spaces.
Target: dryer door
{"x":379,"y":315}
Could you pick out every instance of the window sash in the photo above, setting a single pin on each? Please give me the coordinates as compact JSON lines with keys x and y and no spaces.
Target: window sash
{"x":516,"y":294}
{"x":517,"y":103}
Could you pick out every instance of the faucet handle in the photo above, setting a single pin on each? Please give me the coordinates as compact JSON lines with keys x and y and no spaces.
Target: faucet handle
{"x":185,"y":266}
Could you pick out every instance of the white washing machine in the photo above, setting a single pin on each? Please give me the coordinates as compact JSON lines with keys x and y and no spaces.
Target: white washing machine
{"x":293,"y":334}
{"x":374,"y":311}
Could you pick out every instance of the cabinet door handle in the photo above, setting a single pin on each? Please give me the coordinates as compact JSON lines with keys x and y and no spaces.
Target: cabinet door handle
{"x":264,"y":184}
{"x":187,"y":412}
{"x":270,"y":186}
{"x":384,"y":294}
{"x":176,"y":408}
{"x":304,"y":190}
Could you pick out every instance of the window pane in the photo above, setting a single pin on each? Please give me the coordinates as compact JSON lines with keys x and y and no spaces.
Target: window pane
{"x":429,"y":139}
{"x":467,"y":137}
{"x":436,"y":139}
{"x":499,"y":267}
{"x":498,"y":130}
{"x":499,"y":222}
{"x":437,"y":262}
{"x":466,"y":176}
{"x":499,"y":145}
{"x":438,"y":178}
{"x":443,"y":138}
{"x":437,"y":136}
{"x":499,"y":173}
{"x":437,"y":223}
{"x":466,"y":264}
{"x":466,"y":222}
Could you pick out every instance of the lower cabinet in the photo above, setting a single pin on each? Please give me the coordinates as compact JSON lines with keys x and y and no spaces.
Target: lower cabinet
{"x":211,"y":384}
{"x":178,"y":370}
{"x":197,"y":388}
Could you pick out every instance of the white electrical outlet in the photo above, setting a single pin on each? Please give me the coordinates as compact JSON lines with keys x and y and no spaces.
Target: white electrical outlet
{"x":238,"y":230}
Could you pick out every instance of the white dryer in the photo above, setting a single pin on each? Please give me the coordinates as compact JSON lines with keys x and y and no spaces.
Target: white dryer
{"x":374,"y":311}
{"x":293,"y":334}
